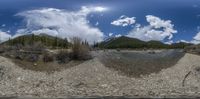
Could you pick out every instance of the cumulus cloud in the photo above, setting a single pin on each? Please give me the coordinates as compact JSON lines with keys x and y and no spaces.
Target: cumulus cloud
{"x":169,"y":42}
{"x":118,"y":35}
{"x":110,"y":34}
{"x":97,"y":23}
{"x":124,"y":21}
{"x":61,"y":23}
{"x":196,"y":39}
{"x":184,"y":41}
{"x":195,"y":42}
{"x":4,"y":36}
{"x":157,"y":29}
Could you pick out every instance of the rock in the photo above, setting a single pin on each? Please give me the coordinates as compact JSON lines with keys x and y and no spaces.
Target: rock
{"x":104,"y":85}
{"x":35,"y":64}
{"x":1,"y":72}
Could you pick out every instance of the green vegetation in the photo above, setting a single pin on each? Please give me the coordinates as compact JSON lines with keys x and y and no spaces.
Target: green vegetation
{"x":195,"y":49}
{"x":46,"y":40}
{"x":133,"y":43}
{"x":122,"y":42}
{"x":181,"y":45}
{"x":35,"y":48}
{"x":80,"y":51}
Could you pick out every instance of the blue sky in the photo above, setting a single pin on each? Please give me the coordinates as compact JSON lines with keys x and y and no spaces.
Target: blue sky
{"x":18,"y":17}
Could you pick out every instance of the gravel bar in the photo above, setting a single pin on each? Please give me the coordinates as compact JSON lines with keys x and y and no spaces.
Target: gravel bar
{"x":93,"y":79}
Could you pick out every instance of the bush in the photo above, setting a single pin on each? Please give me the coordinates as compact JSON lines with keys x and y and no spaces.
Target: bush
{"x":47,"y":57}
{"x":35,"y":47}
{"x":79,"y":50}
{"x":32,"y":57}
{"x":19,"y":56}
{"x":63,"y":57}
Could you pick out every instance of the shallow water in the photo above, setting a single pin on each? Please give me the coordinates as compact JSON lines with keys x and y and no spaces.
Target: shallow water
{"x":140,"y":63}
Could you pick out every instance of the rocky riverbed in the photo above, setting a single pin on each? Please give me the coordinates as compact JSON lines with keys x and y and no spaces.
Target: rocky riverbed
{"x":92,"y":78}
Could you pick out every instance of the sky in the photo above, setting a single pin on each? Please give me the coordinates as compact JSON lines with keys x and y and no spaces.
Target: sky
{"x":169,"y":21}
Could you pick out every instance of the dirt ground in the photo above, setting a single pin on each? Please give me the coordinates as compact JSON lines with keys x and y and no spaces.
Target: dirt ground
{"x":49,"y":67}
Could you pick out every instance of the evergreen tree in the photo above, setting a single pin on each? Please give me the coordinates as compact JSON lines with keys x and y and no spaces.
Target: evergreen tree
{"x":32,"y":39}
{"x":55,"y":42}
{"x":9,"y":41}
{"x":65,"y":43}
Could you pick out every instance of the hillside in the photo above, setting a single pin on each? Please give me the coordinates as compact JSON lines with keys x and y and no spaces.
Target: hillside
{"x":180,"y":45}
{"x":122,"y":42}
{"x":44,"y":39}
{"x":127,"y":42}
{"x":156,"y":44}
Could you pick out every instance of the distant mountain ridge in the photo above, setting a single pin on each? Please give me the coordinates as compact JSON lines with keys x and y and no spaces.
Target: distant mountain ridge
{"x":127,"y":42}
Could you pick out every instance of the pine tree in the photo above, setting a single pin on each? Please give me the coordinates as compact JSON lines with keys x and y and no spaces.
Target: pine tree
{"x":55,"y":42}
{"x":9,"y":41}
{"x":32,"y":39}
{"x":65,"y":43}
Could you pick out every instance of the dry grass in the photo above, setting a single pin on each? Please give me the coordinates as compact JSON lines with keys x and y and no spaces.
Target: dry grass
{"x":48,"y":57}
{"x":63,"y":57}
{"x":35,"y":57}
{"x":79,"y":50}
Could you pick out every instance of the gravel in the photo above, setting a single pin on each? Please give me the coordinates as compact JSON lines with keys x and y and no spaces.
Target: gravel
{"x":92,"y":78}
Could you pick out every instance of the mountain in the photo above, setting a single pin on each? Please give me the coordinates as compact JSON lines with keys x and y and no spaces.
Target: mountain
{"x":122,"y":42}
{"x":127,"y":42}
{"x":44,"y":39}
{"x":180,"y":45}
{"x":156,"y":44}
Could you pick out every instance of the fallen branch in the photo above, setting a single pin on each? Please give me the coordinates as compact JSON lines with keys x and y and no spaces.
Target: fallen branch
{"x":183,"y":83}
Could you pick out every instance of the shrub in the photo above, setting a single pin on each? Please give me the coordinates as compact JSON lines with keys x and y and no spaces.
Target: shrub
{"x":79,"y":51}
{"x":62,"y":57}
{"x":47,"y":57}
{"x":35,"y":47}
{"x":19,"y":56}
{"x":32,"y":57}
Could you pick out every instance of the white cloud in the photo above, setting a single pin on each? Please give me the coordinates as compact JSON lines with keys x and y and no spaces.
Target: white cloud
{"x":195,"y":42}
{"x":110,"y":34}
{"x":124,"y":21}
{"x":4,"y":36}
{"x":118,"y":35}
{"x":169,"y":42}
{"x":157,"y":29}
{"x":184,"y":41}
{"x":97,"y":23}
{"x":196,"y":39}
{"x":61,"y":23}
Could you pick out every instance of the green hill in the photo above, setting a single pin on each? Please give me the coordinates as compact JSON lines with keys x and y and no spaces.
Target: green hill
{"x":156,"y":44}
{"x":127,"y":42}
{"x":122,"y":42}
{"x":180,"y":45}
{"x":46,"y":40}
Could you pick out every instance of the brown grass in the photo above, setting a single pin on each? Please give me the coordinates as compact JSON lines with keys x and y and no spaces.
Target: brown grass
{"x":79,"y":50}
